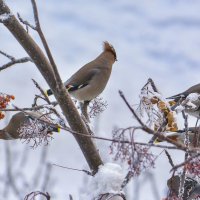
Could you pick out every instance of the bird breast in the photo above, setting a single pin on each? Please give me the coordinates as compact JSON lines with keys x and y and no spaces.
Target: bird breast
{"x":93,"y":88}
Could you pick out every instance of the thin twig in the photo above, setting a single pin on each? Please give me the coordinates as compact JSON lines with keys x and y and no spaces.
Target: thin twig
{"x":26,"y":23}
{"x":185,"y":162}
{"x":42,"y":91}
{"x":29,"y":109}
{"x":15,"y":61}
{"x":183,"y":176}
{"x":74,"y":169}
{"x":7,"y":55}
{"x":169,"y":158}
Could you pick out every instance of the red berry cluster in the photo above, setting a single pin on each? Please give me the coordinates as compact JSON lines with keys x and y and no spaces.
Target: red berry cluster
{"x":4,"y":100}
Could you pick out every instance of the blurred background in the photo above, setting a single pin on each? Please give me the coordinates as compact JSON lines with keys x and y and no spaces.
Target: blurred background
{"x":157,"y":39}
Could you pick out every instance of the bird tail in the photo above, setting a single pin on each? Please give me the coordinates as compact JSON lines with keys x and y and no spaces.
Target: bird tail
{"x":54,"y":129}
{"x":48,"y":92}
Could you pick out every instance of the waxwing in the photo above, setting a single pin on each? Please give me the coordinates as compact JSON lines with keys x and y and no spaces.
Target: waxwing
{"x":90,"y":80}
{"x":193,"y":95}
{"x":191,"y":187}
{"x":179,"y":136}
{"x":11,"y":131}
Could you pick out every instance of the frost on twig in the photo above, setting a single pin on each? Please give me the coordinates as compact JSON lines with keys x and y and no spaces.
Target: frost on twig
{"x":26,"y":23}
{"x":5,"y":17}
{"x":38,"y":130}
{"x":97,"y":106}
{"x":48,"y":107}
{"x":193,"y":167}
{"x":156,"y":109}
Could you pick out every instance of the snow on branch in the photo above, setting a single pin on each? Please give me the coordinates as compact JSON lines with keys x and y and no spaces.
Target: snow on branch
{"x":5,"y":17}
{"x":36,"y":194}
{"x":106,"y":182}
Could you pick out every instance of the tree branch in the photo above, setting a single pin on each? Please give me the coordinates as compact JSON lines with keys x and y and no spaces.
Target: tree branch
{"x":13,"y":60}
{"x":67,"y":106}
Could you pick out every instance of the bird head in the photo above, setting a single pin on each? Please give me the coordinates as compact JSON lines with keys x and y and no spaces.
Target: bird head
{"x":109,"y":48}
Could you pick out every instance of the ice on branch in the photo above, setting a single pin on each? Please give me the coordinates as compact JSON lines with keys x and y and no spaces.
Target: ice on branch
{"x":97,"y":106}
{"x":108,"y":180}
{"x":5,"y":16}
{"x":38,"y":131}
{"x":156,"y":109}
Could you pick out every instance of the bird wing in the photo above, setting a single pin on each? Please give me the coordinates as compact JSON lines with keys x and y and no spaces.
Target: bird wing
{"x":80,"y":79}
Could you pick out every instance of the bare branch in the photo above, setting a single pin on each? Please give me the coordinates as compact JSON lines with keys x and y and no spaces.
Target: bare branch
{"x":185,"y":162}
{"x":169,"y":158}
{"x":29,"y":109}
{"x":80,"y":170}
{"x":13,"y":60}
{"x":45,"y":44}
{"x":8,"y":56}
{"x":26,"y":23}
{"x":42,"y":91}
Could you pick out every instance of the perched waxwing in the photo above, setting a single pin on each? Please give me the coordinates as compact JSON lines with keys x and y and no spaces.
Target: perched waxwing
{"x":179,"y":137}
{"x":11,"y":131}
{"x":90,"y":80}
{"x":191,"y":95}
{"x":191,"y":187}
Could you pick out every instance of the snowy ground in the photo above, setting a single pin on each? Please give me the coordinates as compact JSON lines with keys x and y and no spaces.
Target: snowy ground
{"x":157,"y":39}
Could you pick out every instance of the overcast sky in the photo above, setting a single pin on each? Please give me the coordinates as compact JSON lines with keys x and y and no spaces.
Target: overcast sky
{"x":152,"y":38}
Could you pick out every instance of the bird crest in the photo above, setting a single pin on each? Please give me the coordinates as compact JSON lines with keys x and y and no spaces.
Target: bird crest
{"x":110,"y":48}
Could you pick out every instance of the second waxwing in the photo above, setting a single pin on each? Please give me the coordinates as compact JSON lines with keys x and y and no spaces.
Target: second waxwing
{"x":185,"y":96}
{"x":90,"y":80}
{"x":191,"y":187}
{"x":179,"y":136}
{"x":11,"y":131}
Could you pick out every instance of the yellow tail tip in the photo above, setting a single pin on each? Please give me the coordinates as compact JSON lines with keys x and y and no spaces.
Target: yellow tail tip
{"x":59,"y":129}
{"x":156,"y":141}
{"x":46,"y":94}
